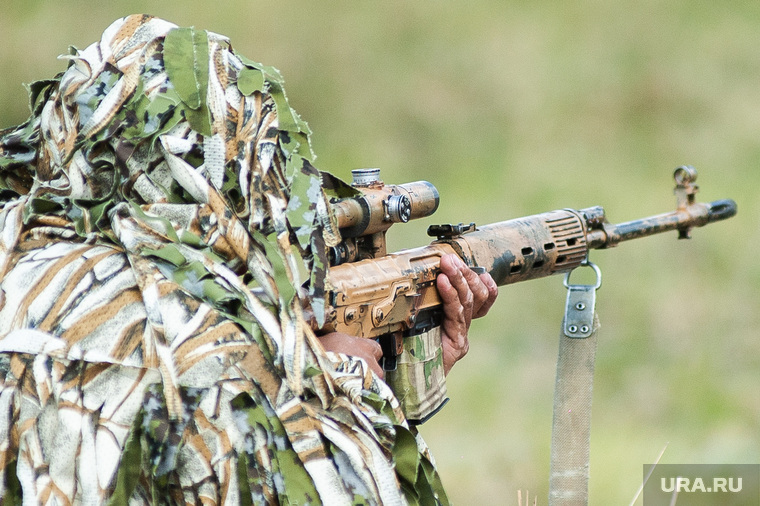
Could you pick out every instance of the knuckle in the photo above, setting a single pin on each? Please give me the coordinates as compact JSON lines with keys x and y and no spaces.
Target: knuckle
{"x":469,"y":299}
{"x":481,"y":293}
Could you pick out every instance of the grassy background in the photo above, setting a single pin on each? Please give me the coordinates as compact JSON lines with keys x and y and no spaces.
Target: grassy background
{"x":514,"y":108}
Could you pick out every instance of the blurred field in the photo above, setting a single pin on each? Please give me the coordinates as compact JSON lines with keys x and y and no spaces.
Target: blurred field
{"x":514,"y":108}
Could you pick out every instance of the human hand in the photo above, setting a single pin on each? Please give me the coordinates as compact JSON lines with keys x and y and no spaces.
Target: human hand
{"x":465,"y":296}
{"x":367,"y":349}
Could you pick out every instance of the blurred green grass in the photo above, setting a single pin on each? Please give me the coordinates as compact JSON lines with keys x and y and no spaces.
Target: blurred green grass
{"x":514,"y":108}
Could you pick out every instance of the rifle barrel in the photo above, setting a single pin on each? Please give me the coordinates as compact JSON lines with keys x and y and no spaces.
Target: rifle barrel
{"x":694,"y":215}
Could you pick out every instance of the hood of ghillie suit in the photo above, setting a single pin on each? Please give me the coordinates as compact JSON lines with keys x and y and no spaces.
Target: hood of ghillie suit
{"x":164,"y":145}
{"x":172,"y":127}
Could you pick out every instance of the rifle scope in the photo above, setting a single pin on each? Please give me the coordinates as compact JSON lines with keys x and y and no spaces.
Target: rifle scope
{"x":381,"y":205}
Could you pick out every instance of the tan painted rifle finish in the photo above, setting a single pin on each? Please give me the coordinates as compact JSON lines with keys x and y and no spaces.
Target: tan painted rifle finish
{"x":378,"y":294}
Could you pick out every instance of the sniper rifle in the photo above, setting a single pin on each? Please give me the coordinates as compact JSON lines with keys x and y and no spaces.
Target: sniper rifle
{"x":390,"y":297}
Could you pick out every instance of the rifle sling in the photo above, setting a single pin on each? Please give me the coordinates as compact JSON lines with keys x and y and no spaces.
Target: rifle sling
{"x":571,"y":425}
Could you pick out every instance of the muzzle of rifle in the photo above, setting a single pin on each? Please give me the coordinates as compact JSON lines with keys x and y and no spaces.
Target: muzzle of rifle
{"x":696,"y":214}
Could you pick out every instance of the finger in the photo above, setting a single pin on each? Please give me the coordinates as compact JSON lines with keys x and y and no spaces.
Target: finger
{"x":492,"y":292}
{"x":482,"y":287}
{"x":454,"y":325}
{"x":480,"y":291}
{"x":461,"y":284}
{"x":452,"y":307}
{"x":367,"y":349}
{"x":449,"y":265}
{"x":372,"y":352}
{"x":374,"y":365}
{"x":372,"y":349}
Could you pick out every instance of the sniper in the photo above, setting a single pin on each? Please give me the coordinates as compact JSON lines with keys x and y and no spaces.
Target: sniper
{"x":164,"y":240}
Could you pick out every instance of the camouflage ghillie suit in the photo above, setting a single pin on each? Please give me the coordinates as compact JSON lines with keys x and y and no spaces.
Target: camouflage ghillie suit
{"x":159,"y":218}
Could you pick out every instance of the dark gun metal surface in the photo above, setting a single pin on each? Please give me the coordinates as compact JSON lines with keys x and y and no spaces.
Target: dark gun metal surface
{"x":695,"y":215}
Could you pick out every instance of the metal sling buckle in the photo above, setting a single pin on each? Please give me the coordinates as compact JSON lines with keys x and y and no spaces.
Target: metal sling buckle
{"x":579,"y":308}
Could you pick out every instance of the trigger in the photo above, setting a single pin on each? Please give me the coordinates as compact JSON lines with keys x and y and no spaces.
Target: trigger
{"x":392,"y":346}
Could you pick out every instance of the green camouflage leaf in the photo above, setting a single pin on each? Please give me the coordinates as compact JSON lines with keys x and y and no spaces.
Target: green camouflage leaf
{"x":231,"y":185}
{"x":294,"y":131}
{"x":186,"y":61}
{"x":196,"y":279}
{"x":302,"y":125}
{"x":152,"y":117}
{"x":129,"y":465}
{"x":215,"y":292}
{"x":254,"y":331}
{"x":199,"y":120}
{"x":281,"y":279}
{"x":318,"y":276}
{"x":189,"y":238}
{"x":250,"y":80}
{"x":298,"y":485}
{"x":436,"y":494}
{"x":304,"y":193}
{"x":406,"y":455}
{"x":417,"y":475}
{"x":165,"y":225}
{"x":38,"y":91}
{"x":18,"y":147}
{"x":76,"y":215}
{"x":271,"y":73}
{"x":198,"y":270}
{"x":242,"y":478}
{"x":295,"y":144}
{"x":337,"y":188}
{"x":170,"y":253}
{"x":312,"y":370}
{"x":285,"y":116}
{"x":162,"y":433}
{"x":379,"y":404}
{"x":98,"y":212}
{"x":44,"y":205}
{"x":13,"y":492}
{"x":187,"y":64}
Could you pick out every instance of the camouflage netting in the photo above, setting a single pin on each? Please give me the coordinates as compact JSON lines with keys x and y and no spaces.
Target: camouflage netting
{"x":160,"y":215}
